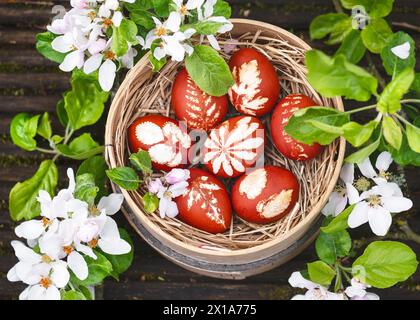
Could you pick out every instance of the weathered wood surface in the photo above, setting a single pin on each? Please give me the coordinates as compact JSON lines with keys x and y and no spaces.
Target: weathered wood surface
{"x":30,"y":83}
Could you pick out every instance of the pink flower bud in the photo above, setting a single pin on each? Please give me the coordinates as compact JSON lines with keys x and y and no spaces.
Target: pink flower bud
{"x":177,"y":175}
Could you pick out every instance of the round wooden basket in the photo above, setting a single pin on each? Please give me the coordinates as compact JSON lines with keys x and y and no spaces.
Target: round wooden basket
{"x":245,"y":249}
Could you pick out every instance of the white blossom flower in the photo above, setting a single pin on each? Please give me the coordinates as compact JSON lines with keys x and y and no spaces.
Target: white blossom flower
{"x":167,"y":207}
{"x":171,"y":25}
{"x":402,"y":51}
{"x":383,"y":162}
{"x":44,"y":275}
{"x":357,"y":291}
{"x":376,"y":206}
{"x":343,"y":194}
{"x":174,"y":46}
{"x":183,"y":9}
{"x":207,"y":15}
{"x":314,"y":290}
{"x":74,"y":41}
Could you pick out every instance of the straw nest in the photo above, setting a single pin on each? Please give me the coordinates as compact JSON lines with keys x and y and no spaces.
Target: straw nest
{"x":145,"y":93}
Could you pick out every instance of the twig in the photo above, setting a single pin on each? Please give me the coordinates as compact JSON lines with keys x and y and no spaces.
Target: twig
{"x":407,"y":26}
{"x":411,"y":235}
{"x":338,"y":6}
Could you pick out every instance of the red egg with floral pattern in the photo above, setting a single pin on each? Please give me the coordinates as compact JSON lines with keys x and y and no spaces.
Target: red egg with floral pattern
{"x":192,"y":105}
{"x":234,"y":146}
{"x":257,"y":87}
{"x":205,"y":205}
{"x":166,"y":141}
{"x":265,"y":195}
{"x":288,"y":146}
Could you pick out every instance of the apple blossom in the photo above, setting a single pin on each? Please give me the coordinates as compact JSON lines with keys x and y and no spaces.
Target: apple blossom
{"x":376,"y":206}
{"x":314,"y":290}
{"x":357,"y":291}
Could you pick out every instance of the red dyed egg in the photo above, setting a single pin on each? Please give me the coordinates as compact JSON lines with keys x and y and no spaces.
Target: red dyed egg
{"x":288,"y":146}
{"x":205,"y":205}
{"x":265,"y":195}
{"x":234,"y":146}
{"x":257,"y":88}
{"x":198,"y":109}
{"x":166,"y":142}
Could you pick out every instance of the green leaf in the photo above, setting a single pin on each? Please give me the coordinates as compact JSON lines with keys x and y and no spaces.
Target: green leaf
{"x":84,"y":103}
{"x":376,"y":35}
{"x":85,"y":291}
{"x":301,"y":129}
{"x":98,"y":270}
{"x":362,"y":154}
{"x":392,"y":132}
{"x":379,"y":8}
{"x":162,"y":7}
{"x":385,"y":263}
{"x":349,"y":4}
{"x":62,"y":113}
{"x":124,"y":177}
{"x":358,"y":134}
{"x":142,"y":161}
{"x":44,"y":127}
{"x":86,"y":189}
{"x":23,"y":129}
{"x":389,"y":101}
{"x":209,"y":71}
{"x":43,"y":46}
{"x":393,"y":64}
{"x":22,"y":198}
{"x":321,"y":273}
{"x":413,"y":137}
{"x":128,"y":29}
{"x":72,"y":295}
{"x":139,"y":4}
{"x":338,"y":223}
{"x":95,"y":165}
{"x":222,"y":9}
{"x":142,"y":18}
{"x":330,"y":246}
{"x":82,"y":147}
{"x":56,"y":139}
{"x":352,"y":47}
{"x":337,"y":77}
{"x":405,"y":156}
{"x":203,"y":27}
{"x":119,"y":42}
{"x":121,"y":263}
{"x":150,"y":202}
{"x":337,"y":25}
{"x":337,"y":131}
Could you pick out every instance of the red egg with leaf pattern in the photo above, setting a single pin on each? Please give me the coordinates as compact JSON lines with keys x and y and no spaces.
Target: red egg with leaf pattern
{"x":257,"y":87}
{"x":205,"y":204}
{"x":288,"y":146}
{"x":265,"y":195}
{"x":192,"y":105}
{"x":234,"y":146}
{"x":166,"y":141}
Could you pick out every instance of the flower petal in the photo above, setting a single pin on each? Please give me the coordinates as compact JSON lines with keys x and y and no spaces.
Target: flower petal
{"x":174,"y":21}
{"x":359,"y":215}
{"x":63,"y":43}
{"x":78,"y":265}
{"x":111,"y":204}
{"x":352,"y":194}
{"x":23,"y":253}
{"x":12,"y":275}
{"x":383,"y":161}
{"x":110,"y":229}
{"x":402,"y":51}
{"x":52,"y":293}
{"x":379,"y":220}
{"x":93,"y":63}
{"x":213,"y":42}
{"x":114,"y":246}
{"x":347,"y":173}
{"x":31,"y":229}
{"x":296,"y":280}
{"x":366,"y":168}
{"x":117,"y":18}
{"x":71,"y":61}
{"x":397,"y":204}
{"x":107,"y":75}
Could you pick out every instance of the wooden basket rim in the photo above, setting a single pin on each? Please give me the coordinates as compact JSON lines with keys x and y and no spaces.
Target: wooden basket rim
{"x":310,"y":217}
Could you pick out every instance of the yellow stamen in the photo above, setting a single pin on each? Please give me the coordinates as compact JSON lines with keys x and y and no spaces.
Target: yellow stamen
{"x":362,"y":184}
{"x":45,"y":282}
{"x":109,"y":55}
{"x":45,"y":222}
{"x":374,"y":201}
{"x":183,"y":10}
{"x":46,"y":259}
{"x":68,"y":249}
{"x":107,"y":23}
{"x":93,"y":243}
{"x":161,"y":31}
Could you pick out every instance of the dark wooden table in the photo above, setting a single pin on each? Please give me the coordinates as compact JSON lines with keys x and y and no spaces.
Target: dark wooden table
{"x":30,"y":83}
